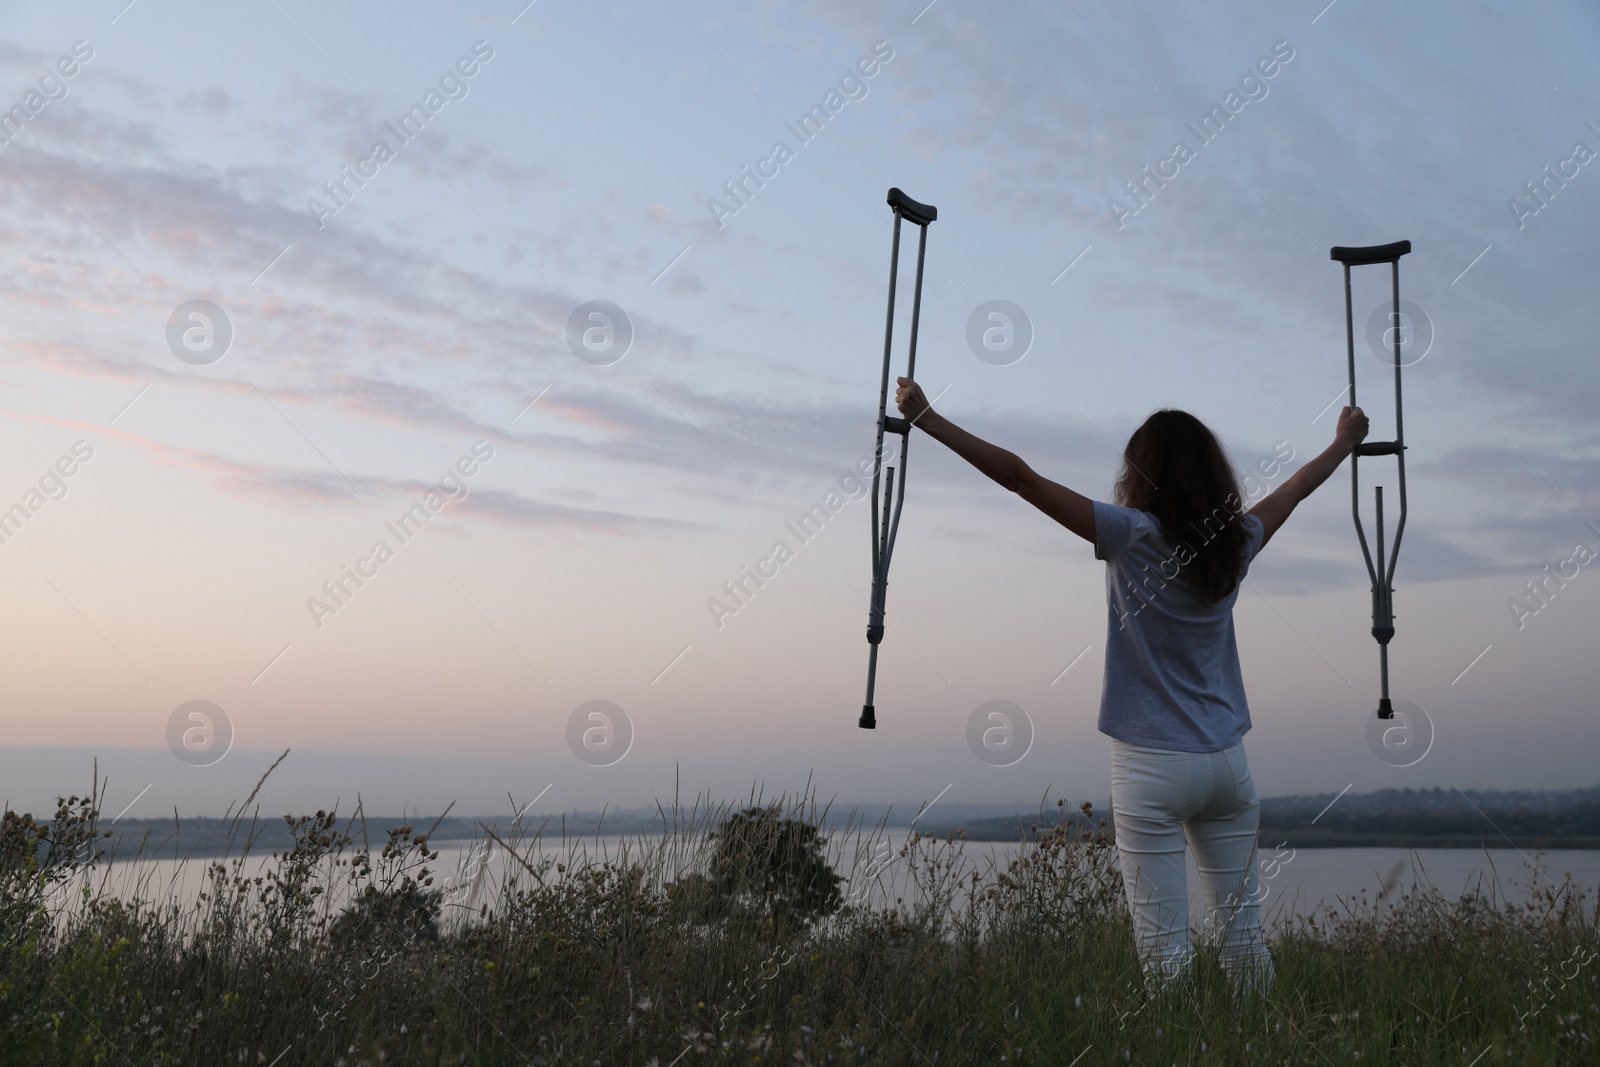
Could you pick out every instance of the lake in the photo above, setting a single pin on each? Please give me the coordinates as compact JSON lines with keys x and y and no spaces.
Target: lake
{"x":1294,"y":883}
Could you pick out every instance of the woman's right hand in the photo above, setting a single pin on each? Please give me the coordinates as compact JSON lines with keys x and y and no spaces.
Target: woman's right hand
{"x":1353,"y":426}
{"x":910,"y":400}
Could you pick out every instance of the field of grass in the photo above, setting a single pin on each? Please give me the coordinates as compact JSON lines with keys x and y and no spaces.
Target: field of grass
{"x":727,"y":938}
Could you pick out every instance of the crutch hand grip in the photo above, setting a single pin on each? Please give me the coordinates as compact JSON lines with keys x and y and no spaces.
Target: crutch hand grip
{"x":1379,"y":448}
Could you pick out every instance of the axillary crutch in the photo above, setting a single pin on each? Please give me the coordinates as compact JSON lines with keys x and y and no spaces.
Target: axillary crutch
{"x":1380,"y":571}
{"x":885,"y":528}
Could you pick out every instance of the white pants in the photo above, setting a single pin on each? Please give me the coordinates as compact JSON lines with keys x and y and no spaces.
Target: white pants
{"x":1159,"y":798}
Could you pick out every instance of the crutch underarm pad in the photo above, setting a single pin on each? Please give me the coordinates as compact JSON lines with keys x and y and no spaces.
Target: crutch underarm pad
{"x":922,"y":214}
{"x":1354,"y":257}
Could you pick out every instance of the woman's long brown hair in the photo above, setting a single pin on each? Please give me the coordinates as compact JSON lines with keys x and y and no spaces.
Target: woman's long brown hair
{"x":1175,"y":469}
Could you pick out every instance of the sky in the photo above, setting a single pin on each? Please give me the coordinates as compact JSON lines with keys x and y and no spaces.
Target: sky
{"x":397,"y":218}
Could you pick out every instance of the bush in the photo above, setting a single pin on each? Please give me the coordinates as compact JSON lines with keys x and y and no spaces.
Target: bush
{"x":767,"y":872}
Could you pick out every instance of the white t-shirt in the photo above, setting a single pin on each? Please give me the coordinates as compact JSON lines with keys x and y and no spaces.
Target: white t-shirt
{"x":1172,"y":676}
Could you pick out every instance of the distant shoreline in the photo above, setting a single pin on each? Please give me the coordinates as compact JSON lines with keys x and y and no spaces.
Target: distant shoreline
{"x":1388,"y":818}
{"x":208,"y":838}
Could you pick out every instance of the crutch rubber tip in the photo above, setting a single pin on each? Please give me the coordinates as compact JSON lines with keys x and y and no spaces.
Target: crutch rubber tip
{"x":868,"y":719}
{"x":1385,"y":709}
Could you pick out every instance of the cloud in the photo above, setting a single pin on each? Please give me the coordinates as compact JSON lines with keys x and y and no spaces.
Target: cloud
{"x":300,"y":487}
{"x":1039,"y":116}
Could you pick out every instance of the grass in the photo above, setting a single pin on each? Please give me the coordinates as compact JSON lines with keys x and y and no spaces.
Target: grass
{"x":727,"y":939}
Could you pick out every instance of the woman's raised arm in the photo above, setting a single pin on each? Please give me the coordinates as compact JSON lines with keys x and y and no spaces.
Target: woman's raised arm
{"x":1275,"y":510}
{"x":1072,"y":510}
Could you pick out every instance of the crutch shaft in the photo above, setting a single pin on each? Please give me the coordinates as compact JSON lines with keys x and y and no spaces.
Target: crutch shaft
{"x":1382,"y":612}
{"x":916,"y":302}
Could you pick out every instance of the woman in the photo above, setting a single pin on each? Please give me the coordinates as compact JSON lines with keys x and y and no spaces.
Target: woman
{"x":1176,"y":544}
